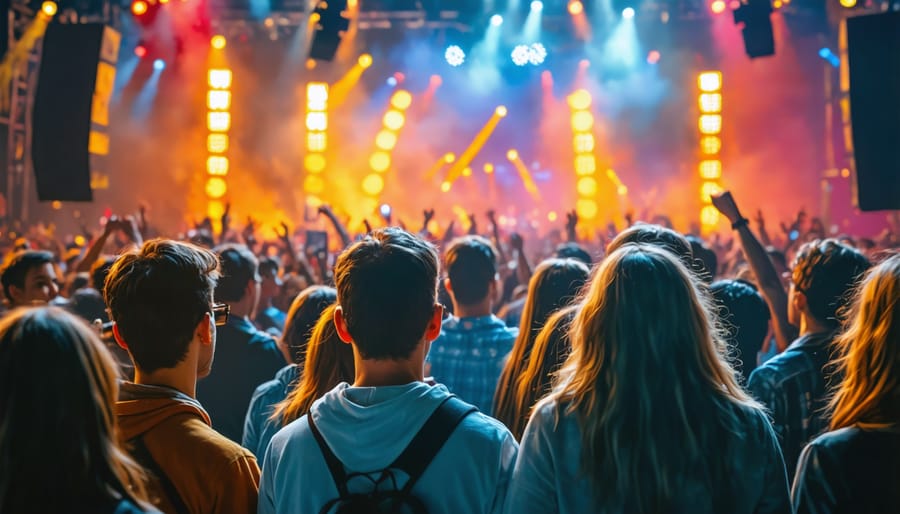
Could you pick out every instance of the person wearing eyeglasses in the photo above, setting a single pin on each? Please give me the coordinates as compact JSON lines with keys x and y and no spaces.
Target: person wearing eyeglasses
{"x":246,"y":357}
{"x":160,"y":298}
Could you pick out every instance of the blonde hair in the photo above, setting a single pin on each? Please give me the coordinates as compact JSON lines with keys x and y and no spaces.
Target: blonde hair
{"x":870,"y":352}
{"x":329,"y":361}
{"x":649,"y":383}
{"x":555,"y":284}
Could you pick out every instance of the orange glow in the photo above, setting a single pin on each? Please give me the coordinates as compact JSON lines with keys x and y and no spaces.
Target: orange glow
{"x":313,"y":184}
{"x":215,"y":209}
{"x":710,"y":145}
{"x":512,"y":155}
{"x":710,"y":103}
{"x":580,"y":100}
{"x":316,"y":121}
{"x":586,"y":208}
{"x":576,"y":7}
{"x":216,"y":187}
{"x":373,"y":184}
{"x":552,"y":216}
{"x":394,"y":120}
{"x":217,"y":143}
{"x":380,"y":161}
{"x":49,"y":8}
{"x":364,"y":61}
{"x":139,"y":7}
{"x":217,"y":165}
{"x":401,"y":100}
{"x":386,"y":140}
{"x":445,"y":187}
{"x":585,"y":164}
{"x":582,"y":121}
{"x":708,"y":190}
{"x":710,"y":81}
{"x":849,"y":4}
{"x":717,"y":7}
{"x":220,"y":79}
{"x":710,"y":170}
{"x":709,"y":216}
{"x":310,"y":64}
{"x":218,"y":100}
{"x":584,"y":143}
{"x":449,"y":157}
{"x":316,"y":96}
{"x":488,"y":168}
{"x":710,"y":124}
{"x":314,"y":163}
{"x":218,"y":121}
{"x":218,"y":42}
{"x":501,"y":111}
{"x":621,"y":190}
{"x":587,"y":186}
{"x":467,"y":171}
{"x":316,"y":141}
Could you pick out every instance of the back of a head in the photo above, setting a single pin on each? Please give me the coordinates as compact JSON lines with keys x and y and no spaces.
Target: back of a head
{"x":654,"y":235}
{"x":387,"y":288}
{"x":88,"y":305}
{"x":645,"y":353}
{"x":329,"y":361}
{"x":826,"y":272}
{"x":870,"y":391}
{"x":157,"y":296}
{"x":745,"y":318}
{"x":238,"y":267}
{"x":100,"y":270}
{"x":17,"y":267}
{"x":471,"y":263}
{"x":706,"y":264}
{"x":56,"y":375}
{"x":574,"y":251}
{"x":305,"y":311}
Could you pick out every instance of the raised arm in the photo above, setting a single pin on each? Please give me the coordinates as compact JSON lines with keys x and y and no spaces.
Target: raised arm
{"x":523,"y":268}
{"x":495,"y":232}
{"x":571,"y":225}
{"x":338,"y":226}
{"x":763,"y":269}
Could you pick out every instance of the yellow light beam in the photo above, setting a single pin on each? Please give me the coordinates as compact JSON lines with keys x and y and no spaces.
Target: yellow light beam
{"x":524,"y":174}
{"x":439,"y":165}
{"x":476,"y":145}
{"x":342,"y":88}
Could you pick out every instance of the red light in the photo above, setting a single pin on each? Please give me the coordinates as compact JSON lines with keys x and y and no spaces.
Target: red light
{"x":139,"y":7}
{"x":400,"y":77}
{"x":718,"y":6}
{"x":140,"y":51}
{"x":653,"y":57}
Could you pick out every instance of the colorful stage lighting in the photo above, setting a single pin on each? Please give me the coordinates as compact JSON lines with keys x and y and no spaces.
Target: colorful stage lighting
{"x":537,"y":54}
{"x":710,"y":81}
{"x":454,"y":55}
{"x":49,"y":8}
{"x":139,"y":7}
{"x":653,"y":57}
{"x":501,"y":111}
{"x":586,"y":208}
{"x":710,"y":170}
{"x":401,"y":100}
{"x":496,"y":20}
{"x":709,"y":216}
{"x":520,"y":55}
{"x":710,"y":103}
{"x":710,"y":145}
{"x":710,"y":124}
{"x":219,"y":121}
{"x":216,"y":187}
{"x":386,"y":140}
{"x":849,"y":4}
{"x":576,"y":7}
{"x":512,"y":155}
{"x":628,"y":13}
{"x":219,"y":79}
{"x":585,"y":164}
{"x":159,"y":65}
{"x":582,"y":121}
{"x":217,"y":143}
{"x":717,"y":7}
{"x":218,"y":100}
{"x":587,"y":186}
{"x":380,"y":161}
{"x":365,"y":61}
{"x":580,"y":100}
{"x":537,"y":6}
{"x":217,"y":165}
{"x":394,"y":120}
{"x":218,"y":42}
{"x":140,"y":51}
{"x":373,"y":184}
{"x":314,"y":163}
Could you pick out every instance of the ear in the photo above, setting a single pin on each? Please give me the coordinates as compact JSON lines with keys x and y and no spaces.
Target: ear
{"x":340,"y":324}
{"x":205,"y":330}
{"x":434,"y":324}
{"x":799,"y":301}
{"x":249,"y":289}
{"x":16,"y":294}
{"x":118,"y":337}
{"x":448,"y":286}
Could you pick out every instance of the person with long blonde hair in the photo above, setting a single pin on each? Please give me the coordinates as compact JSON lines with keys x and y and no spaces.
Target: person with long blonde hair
{"x":555,"y":284}
{"x":855,"y":468}
{"x":329,"y":361}
{"x":646,"y":415}
{"x":58,"y":445}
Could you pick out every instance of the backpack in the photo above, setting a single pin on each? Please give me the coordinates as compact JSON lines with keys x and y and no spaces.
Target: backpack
{"x":385,"y":497}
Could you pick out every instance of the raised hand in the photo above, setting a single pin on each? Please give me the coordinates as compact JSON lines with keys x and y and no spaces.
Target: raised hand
{"x":516,"y":241}
{"x":571,"y":220}
{"x":427,"y":216}
{"x":473,"y":224}
{"x":284,"y":235}
{"x":492,"y":217}
{"x":725,"y":204}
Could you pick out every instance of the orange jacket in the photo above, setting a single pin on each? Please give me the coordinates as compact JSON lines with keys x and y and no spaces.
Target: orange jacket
{"x":211,"y":474}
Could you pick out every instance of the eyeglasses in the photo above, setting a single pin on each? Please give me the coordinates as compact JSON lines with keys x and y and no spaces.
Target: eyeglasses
{"x":220,"y":313}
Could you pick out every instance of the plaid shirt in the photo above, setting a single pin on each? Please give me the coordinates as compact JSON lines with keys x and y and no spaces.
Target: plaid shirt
{"x":793,"y":386}
{"x":468,"y":357}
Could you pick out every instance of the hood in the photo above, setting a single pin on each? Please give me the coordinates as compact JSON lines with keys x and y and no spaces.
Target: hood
{"x":142,"y":407}
{"x":367,"y":428}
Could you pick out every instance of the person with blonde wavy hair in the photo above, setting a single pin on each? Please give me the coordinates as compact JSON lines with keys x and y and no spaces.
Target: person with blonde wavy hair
{"x":555,"y":284}
{"x":646,"y":415}
{"x":855,"y":468}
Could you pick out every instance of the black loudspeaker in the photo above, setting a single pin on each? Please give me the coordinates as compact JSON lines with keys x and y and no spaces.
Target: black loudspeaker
{"x":873,"y":45}
{"x":71,"y":108}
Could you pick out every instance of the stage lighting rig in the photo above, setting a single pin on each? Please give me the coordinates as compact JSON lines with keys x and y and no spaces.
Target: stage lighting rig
{"x":329,"y":30}
{"x":754,"y":16}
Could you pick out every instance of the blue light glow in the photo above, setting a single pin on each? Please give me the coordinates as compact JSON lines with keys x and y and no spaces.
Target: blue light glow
{"x":537,"y":5}
{"x":496,"y":20}
{"x":521,"y":55}
{"x":455,"y":55}
{"x":628,"y":13}
{"x":159,"y":65}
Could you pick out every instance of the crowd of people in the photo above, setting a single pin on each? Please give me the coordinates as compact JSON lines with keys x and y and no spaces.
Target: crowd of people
{"x":645,"y":371}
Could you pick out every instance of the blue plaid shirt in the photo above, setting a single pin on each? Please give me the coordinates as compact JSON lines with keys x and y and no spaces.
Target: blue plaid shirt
{"x":469,"y":355}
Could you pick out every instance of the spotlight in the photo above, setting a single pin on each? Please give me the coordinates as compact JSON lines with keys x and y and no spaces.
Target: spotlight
{"x":49,"y":8}
{"x":512,"y":155}
{"x":140,"y":51}
{"x":159,"y":65}
{"x":849,"y":4}
{"x":218,"y":42}
{"x":365,"y":60}
{"x":455,"y":56}
{"x":537,"y":6}
{"x":576,"y":8}
{"x":537,"y":53}
{"x":139,"y":7}
{"x":628,"y":13}
{"x":496,"y":20}
{"x":392,"y":81}
{"x":521,"y":55}
{"x":718,"y":6}
{"x":501,"y":111}
{"x":653,"y":57}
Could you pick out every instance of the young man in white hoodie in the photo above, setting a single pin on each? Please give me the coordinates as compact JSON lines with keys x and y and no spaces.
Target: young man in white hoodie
{"x":387,"y":291}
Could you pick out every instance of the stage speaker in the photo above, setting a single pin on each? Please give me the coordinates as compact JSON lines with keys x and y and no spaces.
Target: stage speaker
{"x":329,"y":30}
{"x":873,"y":44}
{"x":71,"y":108}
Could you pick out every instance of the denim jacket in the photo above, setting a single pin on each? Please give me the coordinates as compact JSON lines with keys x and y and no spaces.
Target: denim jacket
{"x":794,"y":386}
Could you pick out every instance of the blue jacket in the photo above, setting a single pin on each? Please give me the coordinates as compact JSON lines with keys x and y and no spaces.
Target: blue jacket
{"x":258,"y":428}
{"x":367,"y":428}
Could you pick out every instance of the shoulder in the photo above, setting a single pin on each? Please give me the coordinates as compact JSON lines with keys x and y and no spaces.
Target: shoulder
{"x":126,"y":506}
{"x":204,"y":444}
{"x":263,"y":340}
{"x":778,"y":369}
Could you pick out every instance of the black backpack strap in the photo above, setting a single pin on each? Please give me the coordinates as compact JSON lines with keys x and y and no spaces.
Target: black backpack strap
{"x":335,"y":466}
{"x":431,"y":438}
{"x":143,"y":456}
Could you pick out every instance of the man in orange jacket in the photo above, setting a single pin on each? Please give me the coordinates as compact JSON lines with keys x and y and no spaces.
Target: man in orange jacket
{"x":161,"y":300}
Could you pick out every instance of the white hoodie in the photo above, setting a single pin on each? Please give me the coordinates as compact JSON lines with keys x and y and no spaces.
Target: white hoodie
{"x":367,"y":428}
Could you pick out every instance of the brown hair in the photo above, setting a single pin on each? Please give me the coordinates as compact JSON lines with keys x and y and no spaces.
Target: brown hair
{"x":329,"y":361}
{"x":58,"y":442}
{"x":870,"y":349}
